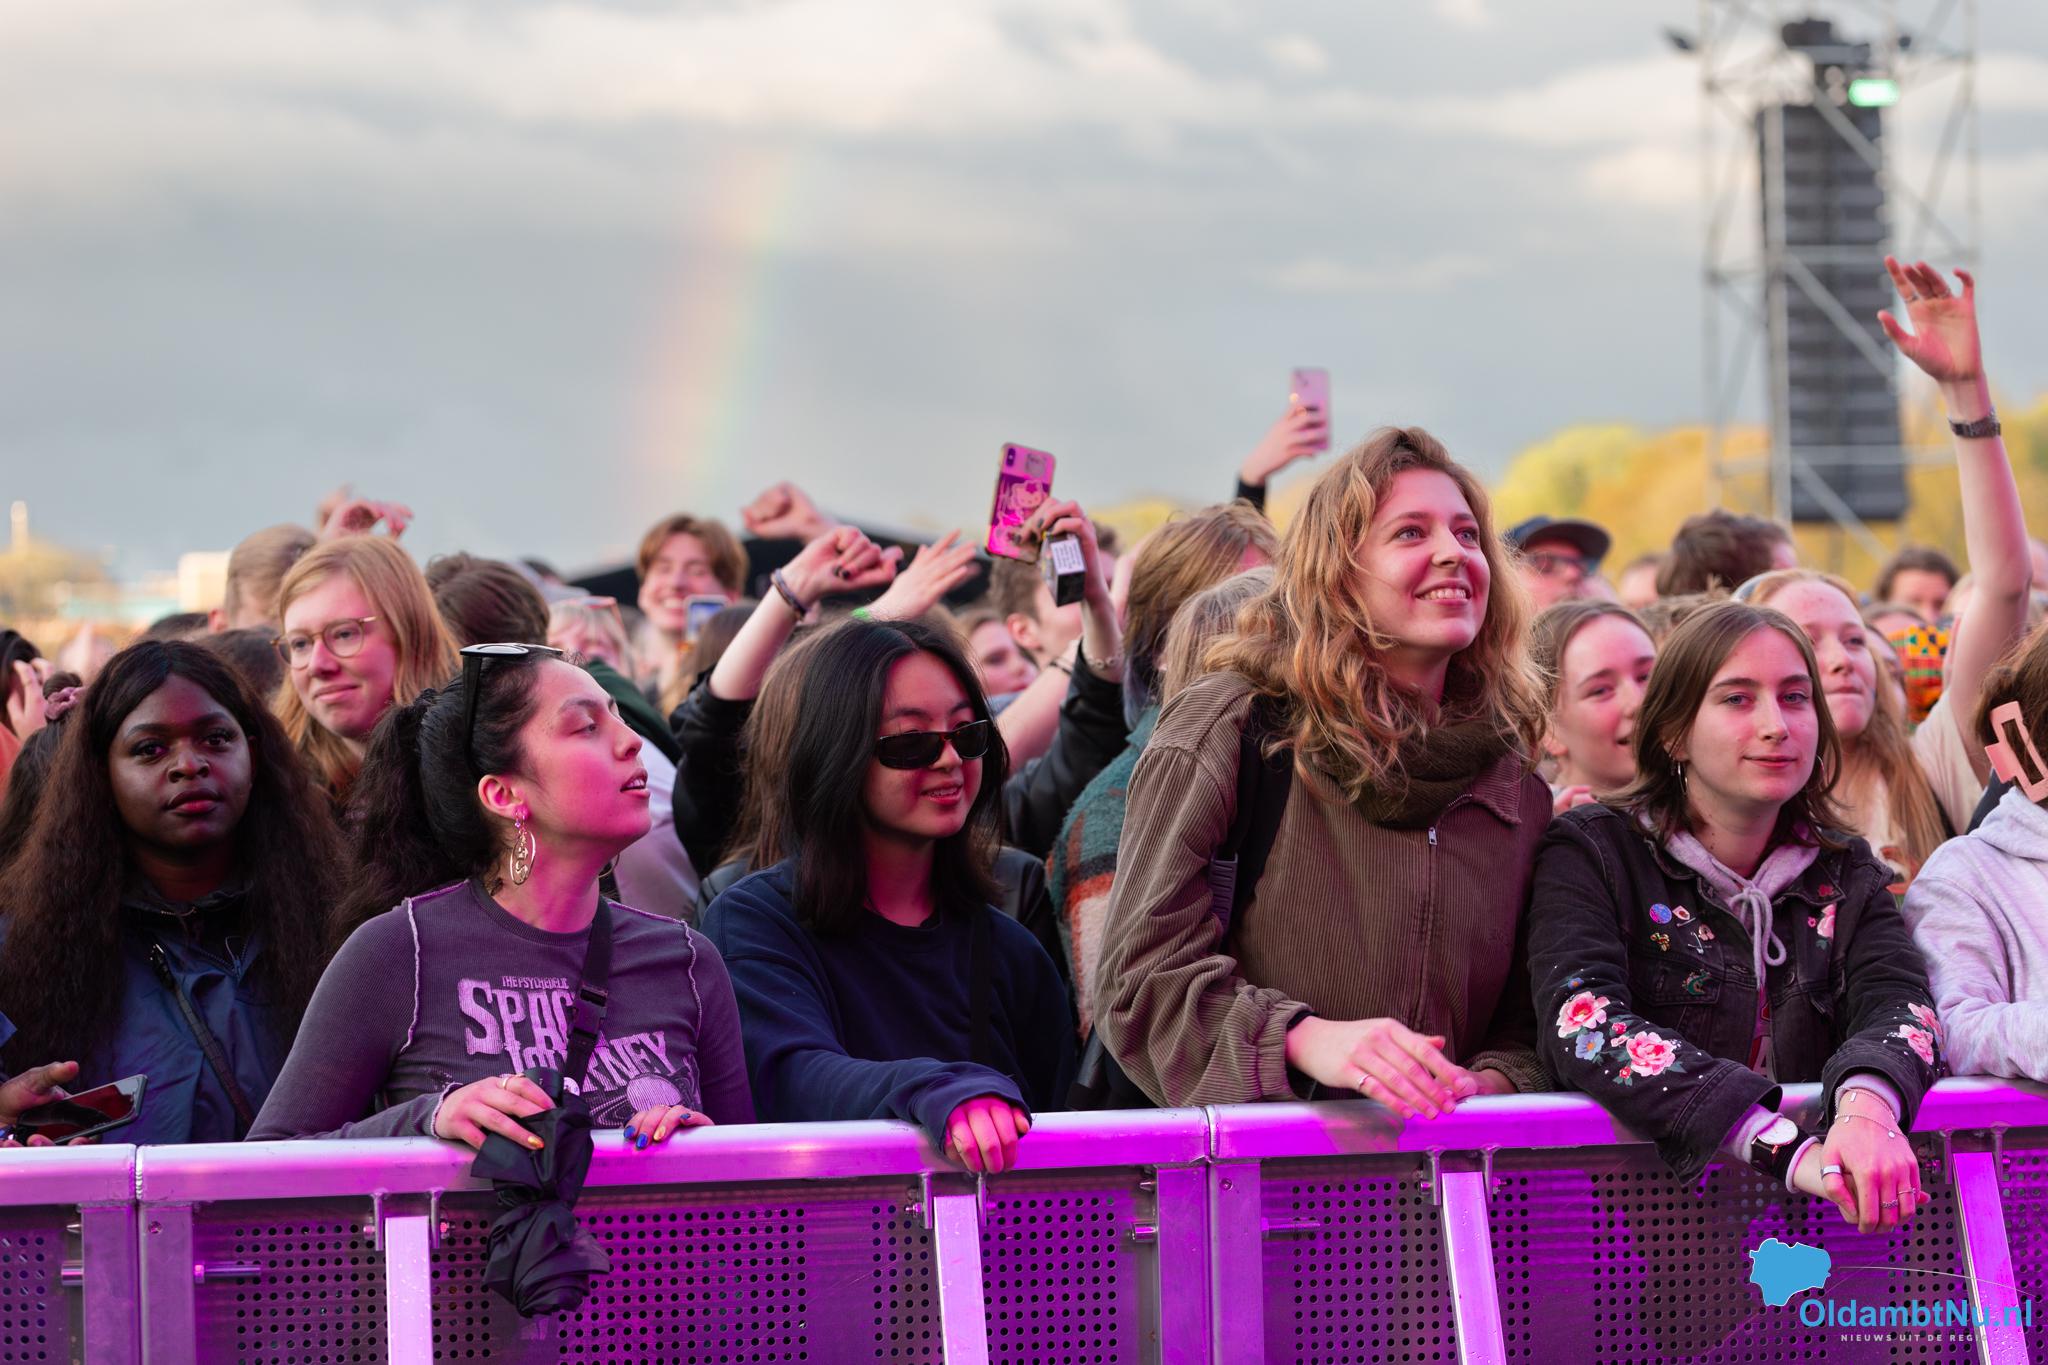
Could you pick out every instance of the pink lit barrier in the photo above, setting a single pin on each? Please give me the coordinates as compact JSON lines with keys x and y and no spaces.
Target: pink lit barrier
{"x":1521,"y":1229}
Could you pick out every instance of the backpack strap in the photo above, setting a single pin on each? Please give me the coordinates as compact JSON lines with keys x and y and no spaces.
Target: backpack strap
{"x":209,"y":1046}
{"x":1263,"y":785}
{"x":593,"y":995}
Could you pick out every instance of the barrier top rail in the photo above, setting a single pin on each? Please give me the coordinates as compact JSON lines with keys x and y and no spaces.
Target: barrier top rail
{"x":700,"y":1156}
{"x":1251,"y":1132}
{"x":67,"y":1175}
{"x":842,"y":1151}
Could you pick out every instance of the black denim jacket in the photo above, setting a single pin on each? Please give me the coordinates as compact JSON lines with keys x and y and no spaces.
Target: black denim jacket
{"x":1646,"y":995}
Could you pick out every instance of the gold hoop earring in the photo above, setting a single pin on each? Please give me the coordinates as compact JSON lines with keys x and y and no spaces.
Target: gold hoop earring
{"x":524,"y":850}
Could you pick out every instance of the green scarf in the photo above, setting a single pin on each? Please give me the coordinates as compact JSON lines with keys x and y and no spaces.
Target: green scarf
{"x":1434,"y":769}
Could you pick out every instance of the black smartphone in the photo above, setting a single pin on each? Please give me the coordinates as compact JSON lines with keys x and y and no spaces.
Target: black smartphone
{"x":85,"y":1114}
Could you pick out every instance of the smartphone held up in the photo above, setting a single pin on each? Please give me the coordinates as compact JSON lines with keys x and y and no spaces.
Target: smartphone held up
{"x":1023,"y":483}
{"x":1311,"y":391}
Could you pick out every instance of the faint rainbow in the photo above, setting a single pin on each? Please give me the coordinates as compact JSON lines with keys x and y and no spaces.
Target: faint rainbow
{"x":706,"y":365}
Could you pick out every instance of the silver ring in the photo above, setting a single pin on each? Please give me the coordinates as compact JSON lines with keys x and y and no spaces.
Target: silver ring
{"x":1831,"y":1169}
{"x":1889,"y":1204}
{"x":505,"y":1082}
{"x":1912,"y":298}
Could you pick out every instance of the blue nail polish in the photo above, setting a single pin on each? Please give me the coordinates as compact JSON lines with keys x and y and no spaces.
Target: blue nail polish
{"x":630,"y":1131}
{"x":641,"y":1145}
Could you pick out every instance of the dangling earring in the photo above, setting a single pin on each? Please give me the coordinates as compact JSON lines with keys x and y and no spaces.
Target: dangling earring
{"x":1678,"y":771}
{"x":523,"y":851}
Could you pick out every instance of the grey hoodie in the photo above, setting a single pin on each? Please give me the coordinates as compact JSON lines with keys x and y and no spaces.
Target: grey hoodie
{"x":1979,"y":911}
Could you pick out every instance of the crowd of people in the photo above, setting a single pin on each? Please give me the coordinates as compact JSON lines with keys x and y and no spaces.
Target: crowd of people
{"x":1398,"y":803}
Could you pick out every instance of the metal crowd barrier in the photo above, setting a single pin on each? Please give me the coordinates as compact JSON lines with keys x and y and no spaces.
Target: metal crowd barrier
{"x":1526,"y":1228}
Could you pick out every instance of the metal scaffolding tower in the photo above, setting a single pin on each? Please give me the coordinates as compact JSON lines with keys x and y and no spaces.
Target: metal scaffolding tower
{"x":1760,"y":60}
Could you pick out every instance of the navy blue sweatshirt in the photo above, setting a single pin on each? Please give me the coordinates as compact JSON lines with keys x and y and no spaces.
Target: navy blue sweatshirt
{"x":874,"y":1023}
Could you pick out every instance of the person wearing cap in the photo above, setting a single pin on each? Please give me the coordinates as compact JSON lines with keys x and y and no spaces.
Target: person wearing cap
{"x":1560,"y":559}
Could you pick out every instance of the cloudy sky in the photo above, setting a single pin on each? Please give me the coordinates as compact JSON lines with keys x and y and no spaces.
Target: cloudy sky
{"x":547,"y":270}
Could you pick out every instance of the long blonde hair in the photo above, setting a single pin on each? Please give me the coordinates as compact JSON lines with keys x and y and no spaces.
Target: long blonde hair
{"x":1883,"y":748}
{"x":1310,"y":643}
{"x":403,"y":604}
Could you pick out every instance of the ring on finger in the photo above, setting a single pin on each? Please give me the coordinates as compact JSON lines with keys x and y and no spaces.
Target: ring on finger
{"x":504,"y":1082}
{"x":1831,"y":1169}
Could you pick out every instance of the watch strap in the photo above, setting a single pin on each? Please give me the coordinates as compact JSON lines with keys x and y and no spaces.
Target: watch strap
{"x":1772,"y":1150}
{"x":1982,"y":427}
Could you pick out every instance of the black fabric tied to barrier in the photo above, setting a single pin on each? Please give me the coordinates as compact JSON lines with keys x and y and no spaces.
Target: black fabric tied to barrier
{"x":540,"y":1260}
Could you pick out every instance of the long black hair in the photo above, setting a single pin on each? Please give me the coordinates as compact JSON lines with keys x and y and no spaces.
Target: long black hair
{"x":414,"y":812}
{"x":846,"y":674}
{"x":60,"y":894}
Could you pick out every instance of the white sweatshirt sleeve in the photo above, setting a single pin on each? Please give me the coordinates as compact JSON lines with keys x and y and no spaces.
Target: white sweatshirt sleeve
{"x":1966,"y":928}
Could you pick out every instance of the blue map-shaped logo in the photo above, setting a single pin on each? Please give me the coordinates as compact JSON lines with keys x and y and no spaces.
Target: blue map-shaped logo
{"x":1782,"y":1269}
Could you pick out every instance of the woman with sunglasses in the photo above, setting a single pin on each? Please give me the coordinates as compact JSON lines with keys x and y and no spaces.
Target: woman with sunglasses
{"x":360,"y":633}
{"x":875,"y":977}
{"x":486,"y":812}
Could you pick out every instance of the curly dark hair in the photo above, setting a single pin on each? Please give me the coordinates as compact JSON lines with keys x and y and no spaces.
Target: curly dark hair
{"x":60,"y":894}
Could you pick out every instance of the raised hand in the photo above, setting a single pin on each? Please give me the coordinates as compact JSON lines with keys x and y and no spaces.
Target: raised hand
{"x":1944,"y":340}
{"x":935,"y":570}
{"x":359,"y":517}
{"x":841,"y":560}
{"x":1300,"y":433}
{"x":785,"y":512}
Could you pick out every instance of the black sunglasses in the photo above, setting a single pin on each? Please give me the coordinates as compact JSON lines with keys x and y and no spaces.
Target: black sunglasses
{"x":922,"y":748}
{"x":473,"y":660}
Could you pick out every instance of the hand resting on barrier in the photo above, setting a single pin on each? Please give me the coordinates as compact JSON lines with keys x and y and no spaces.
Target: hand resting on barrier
{"x":656,"y":1122}
{"x":1878,"y":1188}
{"x":1385,"y":1060}
{"x":982,"y":1133}
{"x":494,"y":1104}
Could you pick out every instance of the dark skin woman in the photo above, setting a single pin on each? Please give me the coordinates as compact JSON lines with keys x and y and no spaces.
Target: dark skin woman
{"x":177,"y":827}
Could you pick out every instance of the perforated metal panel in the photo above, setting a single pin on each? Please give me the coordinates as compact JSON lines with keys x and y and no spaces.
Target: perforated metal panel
{"x":1623,"y":1264}
{"x":1354,"y":1264}
{"x":903,"y":1296}
{"x":35,"y":1316}
{"x":313,"y":1291}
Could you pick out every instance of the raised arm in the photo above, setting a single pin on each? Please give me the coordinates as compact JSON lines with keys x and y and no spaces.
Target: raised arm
{"x":840,"y":560}
{"x":1944,"y":343}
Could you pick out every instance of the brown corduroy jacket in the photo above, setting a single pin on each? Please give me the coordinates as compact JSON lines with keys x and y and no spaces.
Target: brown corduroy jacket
{"x":1350,"y":920}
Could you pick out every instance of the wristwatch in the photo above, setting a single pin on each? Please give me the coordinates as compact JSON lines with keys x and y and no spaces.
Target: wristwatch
{"x":1984,"y":426}
{"x":1771,"y":1151}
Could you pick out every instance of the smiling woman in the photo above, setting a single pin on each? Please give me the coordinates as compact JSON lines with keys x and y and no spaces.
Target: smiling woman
{"x":1376,"y":953}
{"x":360,"y":632}
{"x":875,"y":975}
{"x":179,"y":860}
{"x":1714,"y":930}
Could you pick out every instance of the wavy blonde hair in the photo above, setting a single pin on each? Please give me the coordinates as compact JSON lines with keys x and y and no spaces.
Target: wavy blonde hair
{"x":1310,"y":643}
{"x":1884,"y":748}
{"x":402,"y":602}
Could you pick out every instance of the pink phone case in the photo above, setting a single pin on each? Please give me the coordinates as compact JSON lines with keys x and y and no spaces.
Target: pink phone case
{"x":1311,"y":389}
{"x":1023,"y":484}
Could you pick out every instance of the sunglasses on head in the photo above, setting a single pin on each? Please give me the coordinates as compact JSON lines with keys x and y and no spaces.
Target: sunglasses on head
{"x":473,"y":659}
{"x":922,"y":748}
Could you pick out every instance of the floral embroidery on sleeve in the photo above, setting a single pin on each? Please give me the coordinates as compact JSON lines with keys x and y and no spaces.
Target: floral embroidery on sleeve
{"x":1644,"y":1053}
